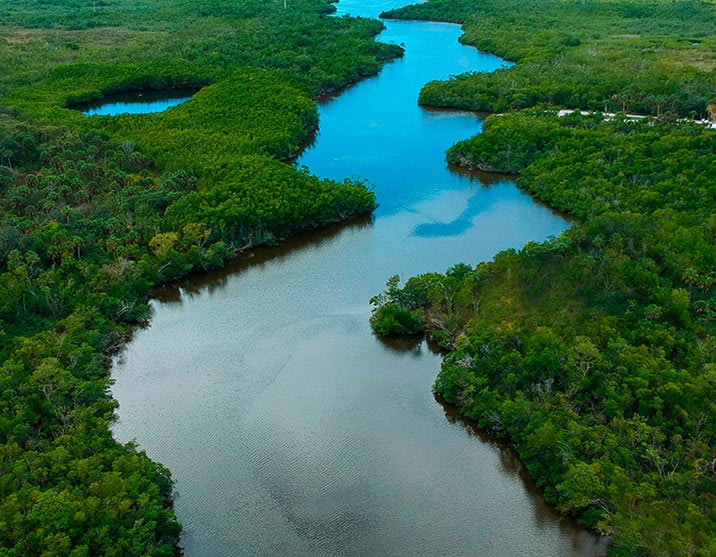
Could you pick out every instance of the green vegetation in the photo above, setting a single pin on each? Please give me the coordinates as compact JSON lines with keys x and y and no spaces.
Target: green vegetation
{"x":323,"y":53}
{"x":94,"y":211}
{"x":72,"y":245}
{"x":643,"y":56}
{"x":394,"y":313}
{"x":594,"y":353}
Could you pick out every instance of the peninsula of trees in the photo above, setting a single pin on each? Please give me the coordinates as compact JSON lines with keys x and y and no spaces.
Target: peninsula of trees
{"x":593,"y":354}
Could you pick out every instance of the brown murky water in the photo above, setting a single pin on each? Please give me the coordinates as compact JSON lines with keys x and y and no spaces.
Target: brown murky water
{"x":290,"y":429}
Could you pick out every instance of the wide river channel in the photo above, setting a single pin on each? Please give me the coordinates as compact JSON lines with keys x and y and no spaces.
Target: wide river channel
{"x":289,"y":428}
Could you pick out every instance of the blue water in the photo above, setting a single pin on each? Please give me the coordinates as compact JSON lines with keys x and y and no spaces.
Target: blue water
{"x":135,"y":103}
{"x":377,"y":131}
{"x":290,"y":429}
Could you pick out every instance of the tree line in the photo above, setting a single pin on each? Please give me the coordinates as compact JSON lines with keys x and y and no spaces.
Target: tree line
{"x":591,"y":353}
{"x":95,"y":211}
{"x":647,"y":57}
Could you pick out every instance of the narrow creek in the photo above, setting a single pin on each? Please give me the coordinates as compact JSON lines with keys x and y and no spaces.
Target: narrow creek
{"x":289,"y":428}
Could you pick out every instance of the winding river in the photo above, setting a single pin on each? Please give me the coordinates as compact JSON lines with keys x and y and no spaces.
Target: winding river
{"x":290,"y":429}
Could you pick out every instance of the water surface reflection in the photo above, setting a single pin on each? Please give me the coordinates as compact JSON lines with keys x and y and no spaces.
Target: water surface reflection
{"x":289,"y":427}
{"x":137,"y":102}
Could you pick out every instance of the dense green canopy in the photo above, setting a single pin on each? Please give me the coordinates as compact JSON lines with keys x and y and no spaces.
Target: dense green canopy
{"x":593,"y":353}
{"x":94,"y":211}
{"x":644,"y":56}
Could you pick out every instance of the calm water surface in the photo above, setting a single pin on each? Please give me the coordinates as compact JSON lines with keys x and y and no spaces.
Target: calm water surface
{"x":289,"y":428}
{"x":143,"y":102}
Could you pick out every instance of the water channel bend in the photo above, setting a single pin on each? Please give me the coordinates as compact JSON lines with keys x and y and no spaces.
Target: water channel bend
{"x":289,"y":428}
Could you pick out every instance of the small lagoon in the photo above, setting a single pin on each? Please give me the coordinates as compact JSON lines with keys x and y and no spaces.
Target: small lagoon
{"x":135,"y":102}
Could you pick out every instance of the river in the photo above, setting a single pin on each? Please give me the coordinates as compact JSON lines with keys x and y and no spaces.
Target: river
{"x":289,"y":428}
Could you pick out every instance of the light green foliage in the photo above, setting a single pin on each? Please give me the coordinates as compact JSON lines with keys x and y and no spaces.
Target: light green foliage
{"x":643,"y":56}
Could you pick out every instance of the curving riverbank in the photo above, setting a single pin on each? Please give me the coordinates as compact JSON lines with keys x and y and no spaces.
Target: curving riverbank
{"x":289,"y":428}
{"x":549,"y":360}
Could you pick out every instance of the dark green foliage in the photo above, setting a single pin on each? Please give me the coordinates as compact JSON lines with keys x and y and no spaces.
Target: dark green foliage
{"x":73,"y":277}
{"x":586,"y":165}
{"x":391,"y":319}
{"x":249,"y":111}
{"x":519,"y":149}
{"x":433,"y":302}
{"x":94,"y":211}
{"x":262,"y":200}
{"x":397,"y":311}
{"x":66,"y":484}
{"x":595,"y":353}
{"x":323,"y":53}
